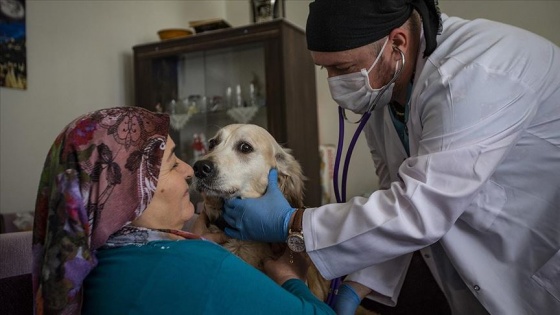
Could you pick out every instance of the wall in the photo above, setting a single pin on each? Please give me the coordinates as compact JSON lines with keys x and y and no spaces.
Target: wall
{"x":80,"y":59}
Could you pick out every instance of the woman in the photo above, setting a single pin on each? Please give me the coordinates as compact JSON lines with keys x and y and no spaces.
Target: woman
{"x":107,"y":239}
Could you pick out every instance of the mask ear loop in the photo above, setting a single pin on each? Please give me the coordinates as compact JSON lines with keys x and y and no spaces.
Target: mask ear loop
{"x":378,"y":57}
{"x":335,"y":283}
{"x":374,"y":103}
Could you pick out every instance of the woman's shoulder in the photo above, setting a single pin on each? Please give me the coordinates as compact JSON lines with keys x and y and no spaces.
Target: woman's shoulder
{"x":189,"y":247}
{"x":170,"y":249}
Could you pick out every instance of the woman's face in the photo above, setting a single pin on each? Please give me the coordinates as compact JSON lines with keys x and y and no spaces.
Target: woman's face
{"x":171,"y":206}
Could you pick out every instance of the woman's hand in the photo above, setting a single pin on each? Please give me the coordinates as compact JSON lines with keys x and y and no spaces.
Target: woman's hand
{"x":288,"y":266}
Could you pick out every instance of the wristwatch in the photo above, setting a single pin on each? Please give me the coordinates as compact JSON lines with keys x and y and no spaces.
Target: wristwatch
{"x":295,"y":235}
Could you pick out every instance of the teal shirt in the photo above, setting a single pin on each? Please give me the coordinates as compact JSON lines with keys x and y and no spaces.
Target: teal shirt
{"x":189,"y":277}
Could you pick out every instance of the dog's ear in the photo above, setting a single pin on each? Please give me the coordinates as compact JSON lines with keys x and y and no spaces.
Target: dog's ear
{"x":290,"y":177}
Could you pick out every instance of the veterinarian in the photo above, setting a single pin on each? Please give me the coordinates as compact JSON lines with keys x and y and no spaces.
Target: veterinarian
{"x":463,"y":124}
{"x":107,"y":238}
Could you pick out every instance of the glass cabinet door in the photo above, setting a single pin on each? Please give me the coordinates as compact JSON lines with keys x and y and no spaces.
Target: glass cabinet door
{"x":215,"y":88}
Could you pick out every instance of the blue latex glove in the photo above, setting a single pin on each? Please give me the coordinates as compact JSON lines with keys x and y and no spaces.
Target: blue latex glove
{"x":262,"y":219}
{"x":346,"y":300}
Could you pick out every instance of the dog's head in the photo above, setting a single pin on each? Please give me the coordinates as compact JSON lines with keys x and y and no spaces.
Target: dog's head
{"x":238,"y":162}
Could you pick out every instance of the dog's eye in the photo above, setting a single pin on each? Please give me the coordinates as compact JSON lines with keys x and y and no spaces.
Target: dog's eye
{"x":212,"y":143}
{"x":244,"y":147}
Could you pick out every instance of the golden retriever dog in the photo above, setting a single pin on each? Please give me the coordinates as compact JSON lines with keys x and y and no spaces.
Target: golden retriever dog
{"x":237,"y":165}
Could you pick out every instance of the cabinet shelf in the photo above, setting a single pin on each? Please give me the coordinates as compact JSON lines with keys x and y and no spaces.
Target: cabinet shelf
{"x":239,"y":115}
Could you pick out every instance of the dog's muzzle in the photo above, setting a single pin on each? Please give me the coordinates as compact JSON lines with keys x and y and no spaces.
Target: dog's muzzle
{"x":204,"y":169}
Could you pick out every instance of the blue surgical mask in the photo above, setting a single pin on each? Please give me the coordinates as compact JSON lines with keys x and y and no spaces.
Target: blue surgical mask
{"x":353,"y":92}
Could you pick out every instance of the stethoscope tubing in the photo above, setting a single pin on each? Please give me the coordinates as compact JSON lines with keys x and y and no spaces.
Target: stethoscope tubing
{"x":340,"y":190}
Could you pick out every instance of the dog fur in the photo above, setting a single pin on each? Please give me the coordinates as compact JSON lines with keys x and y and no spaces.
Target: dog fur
{"x":237,"y":165}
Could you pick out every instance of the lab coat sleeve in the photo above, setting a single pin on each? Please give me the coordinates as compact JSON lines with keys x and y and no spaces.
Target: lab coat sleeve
{"x":387,"y":278}
{"x":467,"y":119}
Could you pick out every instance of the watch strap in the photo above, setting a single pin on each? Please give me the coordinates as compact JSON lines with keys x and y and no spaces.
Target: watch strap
{"x":297,"y":224}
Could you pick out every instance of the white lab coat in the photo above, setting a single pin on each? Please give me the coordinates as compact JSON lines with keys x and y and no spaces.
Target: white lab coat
{"x":480,"y":193}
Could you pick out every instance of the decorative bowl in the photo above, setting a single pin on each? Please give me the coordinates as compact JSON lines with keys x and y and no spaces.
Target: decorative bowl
{"x":171,"y":33}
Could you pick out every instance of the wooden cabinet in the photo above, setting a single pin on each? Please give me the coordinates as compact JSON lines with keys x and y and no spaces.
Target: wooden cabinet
{"x":260,"y":73}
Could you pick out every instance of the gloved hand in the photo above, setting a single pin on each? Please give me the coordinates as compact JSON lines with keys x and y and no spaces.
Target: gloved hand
{"x":262,"y":219}
{"x":346,"y":300}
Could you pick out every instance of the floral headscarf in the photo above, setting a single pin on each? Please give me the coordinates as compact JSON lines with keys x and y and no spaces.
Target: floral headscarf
{"x":99,"y":175}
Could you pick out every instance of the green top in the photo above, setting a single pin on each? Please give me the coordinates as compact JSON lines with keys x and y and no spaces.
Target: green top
{"x":189,"y":277}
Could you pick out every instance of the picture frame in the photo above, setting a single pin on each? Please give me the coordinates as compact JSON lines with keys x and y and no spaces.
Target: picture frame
{"x":13,"y":51}
{"x":267,"y":10}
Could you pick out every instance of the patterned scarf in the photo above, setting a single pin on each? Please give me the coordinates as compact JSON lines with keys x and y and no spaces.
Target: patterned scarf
{"x":99,"y":175}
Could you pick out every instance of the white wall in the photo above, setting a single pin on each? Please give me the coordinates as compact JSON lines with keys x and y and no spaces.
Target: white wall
{"x":79,"y":57}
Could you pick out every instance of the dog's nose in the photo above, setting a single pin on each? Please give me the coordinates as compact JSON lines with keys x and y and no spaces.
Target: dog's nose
{"x":203,"y":168}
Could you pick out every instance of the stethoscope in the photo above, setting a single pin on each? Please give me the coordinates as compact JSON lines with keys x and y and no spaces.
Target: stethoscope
{"x":340,"y":194}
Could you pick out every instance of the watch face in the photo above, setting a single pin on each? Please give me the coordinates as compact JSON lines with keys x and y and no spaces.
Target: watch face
{"x":296,"y":243}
